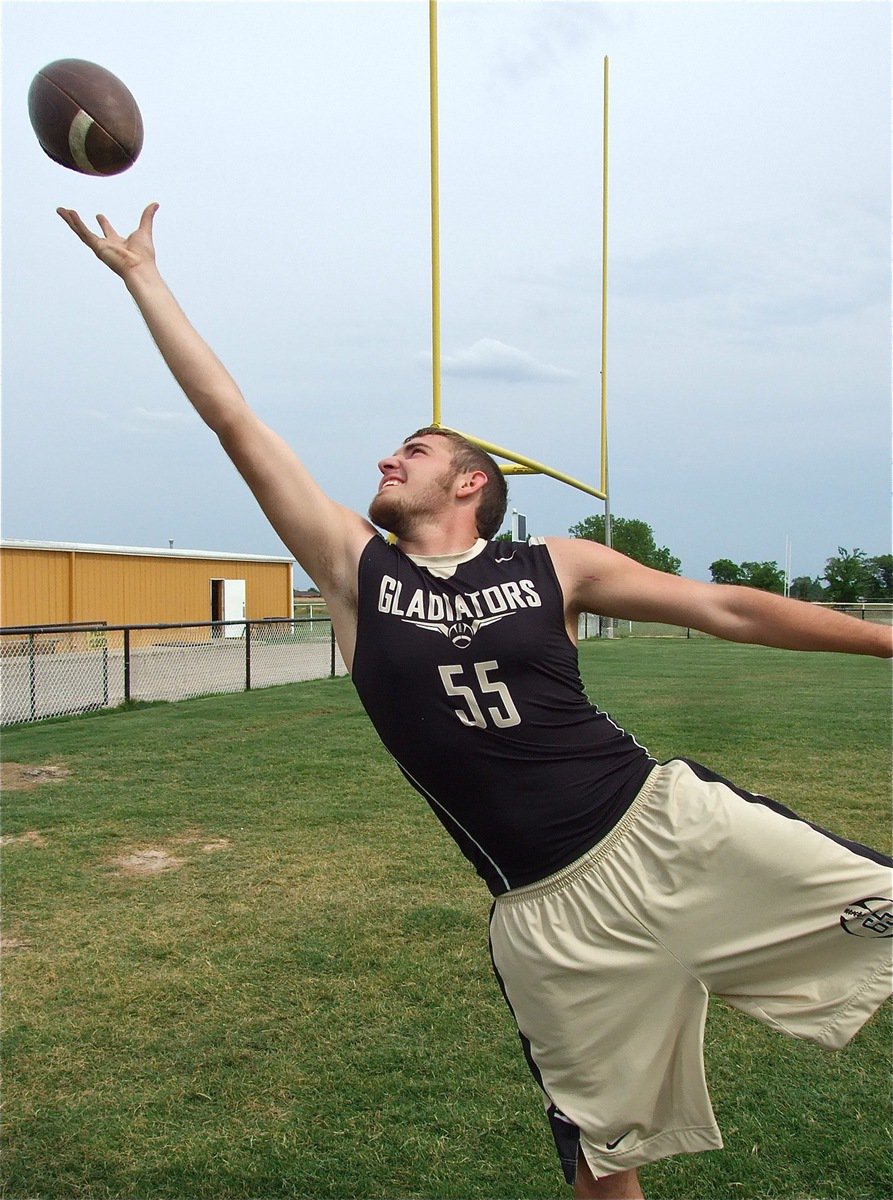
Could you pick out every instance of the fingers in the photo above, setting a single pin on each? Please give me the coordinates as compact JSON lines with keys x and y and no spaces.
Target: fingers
{"x":73,"y":221}
{"x":106,"y":226}
{"x":148,"y":217}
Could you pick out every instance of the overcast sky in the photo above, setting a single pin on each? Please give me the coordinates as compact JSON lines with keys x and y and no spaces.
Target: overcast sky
{"x":287,"y":143}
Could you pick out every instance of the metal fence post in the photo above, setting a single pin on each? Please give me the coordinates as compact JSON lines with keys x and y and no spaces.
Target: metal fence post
{"x":32,"y":676}
{"x":84,"y":675}
{"x":247,"y":656}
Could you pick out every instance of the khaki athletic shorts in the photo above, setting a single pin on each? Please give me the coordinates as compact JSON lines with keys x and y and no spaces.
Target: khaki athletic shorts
{"x":700,"y":888}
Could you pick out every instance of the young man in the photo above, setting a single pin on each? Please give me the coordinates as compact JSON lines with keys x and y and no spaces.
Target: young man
{"x":626,"y":890}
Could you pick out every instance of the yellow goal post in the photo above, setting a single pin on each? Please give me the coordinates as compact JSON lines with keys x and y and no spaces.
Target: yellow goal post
{"x":517,"y":464}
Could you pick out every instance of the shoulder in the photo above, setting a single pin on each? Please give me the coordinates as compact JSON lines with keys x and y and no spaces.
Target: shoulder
{"x":591,"y":574}
{"x":374,"y":543}
{"x":580,"y":558}
{"x":377,"y":552}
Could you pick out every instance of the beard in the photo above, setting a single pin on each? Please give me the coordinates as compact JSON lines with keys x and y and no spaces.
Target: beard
{"x":401,"y":515}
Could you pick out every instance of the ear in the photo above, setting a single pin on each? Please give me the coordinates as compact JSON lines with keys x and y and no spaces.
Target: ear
{"x":472,"y":483}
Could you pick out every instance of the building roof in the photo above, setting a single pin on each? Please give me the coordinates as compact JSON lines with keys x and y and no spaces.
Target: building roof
{"x":142,"y":551}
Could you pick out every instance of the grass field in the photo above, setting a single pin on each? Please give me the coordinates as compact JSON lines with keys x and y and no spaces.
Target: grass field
{"x":243,"y":960}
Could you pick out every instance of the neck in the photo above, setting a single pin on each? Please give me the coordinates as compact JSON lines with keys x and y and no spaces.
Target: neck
{"x":434,"y":541}
{"x":435,"y":547}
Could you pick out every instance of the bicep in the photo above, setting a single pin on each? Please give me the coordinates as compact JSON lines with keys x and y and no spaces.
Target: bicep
{"x":599,"y":580}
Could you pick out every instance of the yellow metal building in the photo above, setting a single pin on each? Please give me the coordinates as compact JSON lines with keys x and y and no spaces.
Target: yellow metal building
{"x":55,"y":583}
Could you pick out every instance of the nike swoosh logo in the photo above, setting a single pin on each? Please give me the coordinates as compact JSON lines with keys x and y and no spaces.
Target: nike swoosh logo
{"x":613,"y":1145}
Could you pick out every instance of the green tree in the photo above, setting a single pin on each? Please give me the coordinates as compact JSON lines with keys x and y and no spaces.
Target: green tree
{"x":725,"y":571}
{"x":880,"y":570}
{"x":505,"y":536}
{"x":767,"y":576}
{"x":631,"y":537}
{"x":848,"y":576}
{"x":804,"y":588}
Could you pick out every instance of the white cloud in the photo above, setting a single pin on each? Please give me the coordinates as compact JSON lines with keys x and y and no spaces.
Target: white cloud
{"x":160,"y":416}
{"x":488,"y":358}
{"x":548,"y":36}
{"x":140,"y":419}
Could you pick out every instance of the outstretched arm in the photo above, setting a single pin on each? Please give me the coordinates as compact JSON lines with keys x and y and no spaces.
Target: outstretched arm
{"x":323,"y":536}
{"x":596,"y":579}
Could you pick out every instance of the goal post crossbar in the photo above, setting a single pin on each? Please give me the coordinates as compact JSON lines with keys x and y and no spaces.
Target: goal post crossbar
{"x":519,"y":464}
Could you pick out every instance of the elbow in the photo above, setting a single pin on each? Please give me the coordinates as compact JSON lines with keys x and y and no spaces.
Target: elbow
{"x":738,"y":612}
{"x":228,"y":416}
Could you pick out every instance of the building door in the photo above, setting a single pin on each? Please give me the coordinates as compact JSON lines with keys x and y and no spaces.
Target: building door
{"x":228,"y":604}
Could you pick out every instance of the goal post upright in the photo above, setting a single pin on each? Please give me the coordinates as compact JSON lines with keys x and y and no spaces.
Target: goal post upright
{"x":603,"y":472}
{"x":435,"y":211}
{"x":517,"y":464}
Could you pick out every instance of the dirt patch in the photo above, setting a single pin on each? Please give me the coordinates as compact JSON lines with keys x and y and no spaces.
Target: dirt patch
{"x":193,"y":837}
{"x":30,"y":838}
{"x":218,"y":844}
{"x":148,"y":862}
{"x":8,"y":943}
{"x":178,"y":853}
{"x":20,"y":777}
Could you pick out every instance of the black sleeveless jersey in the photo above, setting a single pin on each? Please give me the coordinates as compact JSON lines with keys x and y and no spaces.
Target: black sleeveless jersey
{"x":472,"y":684}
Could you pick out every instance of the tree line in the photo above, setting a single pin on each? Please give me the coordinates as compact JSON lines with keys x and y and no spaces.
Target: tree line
{"x":849,"y":576}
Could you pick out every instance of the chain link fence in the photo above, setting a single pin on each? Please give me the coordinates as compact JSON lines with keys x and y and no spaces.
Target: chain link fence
{"x":54,"y":670}
{"x":591,"y":626}
{"x":866,"y":610}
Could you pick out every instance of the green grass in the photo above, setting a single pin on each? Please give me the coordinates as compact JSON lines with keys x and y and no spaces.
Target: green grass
{"x":304,"y":1006}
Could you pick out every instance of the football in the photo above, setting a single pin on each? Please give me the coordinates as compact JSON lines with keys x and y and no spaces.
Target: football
{"x":85,"y":118}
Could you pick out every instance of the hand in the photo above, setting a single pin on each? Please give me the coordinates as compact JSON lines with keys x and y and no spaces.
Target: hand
{"x":118,"y":253}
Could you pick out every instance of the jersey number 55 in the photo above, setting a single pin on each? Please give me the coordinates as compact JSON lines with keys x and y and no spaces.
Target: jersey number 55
{"x":502,"y":716}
